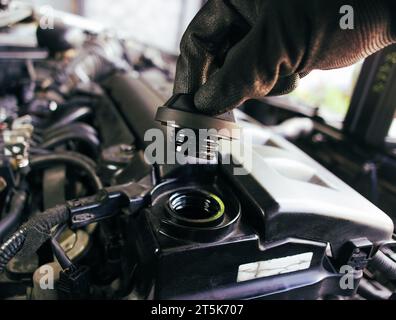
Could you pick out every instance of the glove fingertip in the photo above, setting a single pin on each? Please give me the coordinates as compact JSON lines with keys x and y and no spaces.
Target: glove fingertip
{"x":203,"y":103}
{"x":214,"y":102}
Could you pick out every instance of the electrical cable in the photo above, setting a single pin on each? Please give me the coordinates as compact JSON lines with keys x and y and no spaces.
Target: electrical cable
{"x":70,"y":117}
{"x":60,"y":254}
{"x":33,"y":233}
{"x":12,"y":219}
{"x":384,"y":264}
{"x":90,"y":141}
{"x":68,"y":158}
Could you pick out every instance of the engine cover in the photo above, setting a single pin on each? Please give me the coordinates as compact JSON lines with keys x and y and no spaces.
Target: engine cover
{"x":281,"y":231}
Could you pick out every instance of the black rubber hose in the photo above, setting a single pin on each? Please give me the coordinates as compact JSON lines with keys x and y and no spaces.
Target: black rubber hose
{"x":36,"y":138}
{"x":77,"y":101}
{"x":38,"y":151}
{"x":371,"y":292}
{"x":60,"y":254}
{"x":80,"y":126}
{"x":384,"y":264}
{"x":89,"y":140}
{"x":33,"y":233}
{"x":71,"y":116}
{"x":69,"y":158}
{"x":12,"y":219}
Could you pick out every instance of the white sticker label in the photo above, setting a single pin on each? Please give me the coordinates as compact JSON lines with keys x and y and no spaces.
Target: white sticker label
{"x":261,"y":269}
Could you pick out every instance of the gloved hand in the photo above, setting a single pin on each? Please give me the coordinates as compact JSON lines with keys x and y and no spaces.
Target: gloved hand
{"x":236,"y":50}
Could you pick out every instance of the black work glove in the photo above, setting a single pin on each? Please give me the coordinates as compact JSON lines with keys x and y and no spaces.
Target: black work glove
{"x":236,"y":50}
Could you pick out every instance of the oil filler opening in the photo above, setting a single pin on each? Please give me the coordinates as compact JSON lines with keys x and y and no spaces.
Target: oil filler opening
{"x":196,"y":208}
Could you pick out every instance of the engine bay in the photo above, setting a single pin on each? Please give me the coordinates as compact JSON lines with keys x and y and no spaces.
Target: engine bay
{"x":80,"y":201}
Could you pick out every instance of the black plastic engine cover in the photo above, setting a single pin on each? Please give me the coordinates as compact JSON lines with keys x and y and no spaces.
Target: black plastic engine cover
{"x":227,"y":260}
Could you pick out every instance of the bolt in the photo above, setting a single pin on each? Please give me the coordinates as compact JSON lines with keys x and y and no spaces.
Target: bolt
{"x":53,"y":106}
{"x":16,"y":149}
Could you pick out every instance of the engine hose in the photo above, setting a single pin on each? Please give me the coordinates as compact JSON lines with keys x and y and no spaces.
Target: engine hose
{"x":384,"y":264}
{"x":70,"y":117}
{"x":80,"y":126}
{"x":77,"y":101}
{"x":38,"y":151}
{"x":372,"y":292}
{"x":90,"y":135}
{"x":69,"y":158}
{"x":36,"y":138}
{"x":13,"y":217}
{"x":91,"y":141}
{"x":31,"y":235}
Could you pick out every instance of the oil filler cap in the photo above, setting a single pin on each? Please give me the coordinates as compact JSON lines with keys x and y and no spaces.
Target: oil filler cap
{"x":180,"y":113}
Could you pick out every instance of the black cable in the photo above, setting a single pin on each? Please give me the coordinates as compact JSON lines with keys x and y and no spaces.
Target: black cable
{"x":373,"y":291}
{"x":90,"y":141}
{"x":70,"y":117}
{"x":76,"y":101}
{"x":33,"y":233}
{"x":69,"y":158}
{"x":36,"y":138}
{"x":14,"y":216}
{"x":10,"y":248}
{"x":38,"y":151}
{"x":59,"y":253}
{"x":76,"y":126}
{"x":37,"y":230}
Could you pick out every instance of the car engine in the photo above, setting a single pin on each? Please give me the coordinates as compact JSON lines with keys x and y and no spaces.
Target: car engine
{"x":80,"y":201}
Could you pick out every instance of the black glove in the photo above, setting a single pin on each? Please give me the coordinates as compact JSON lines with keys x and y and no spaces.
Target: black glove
{"x":241,"y":49}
